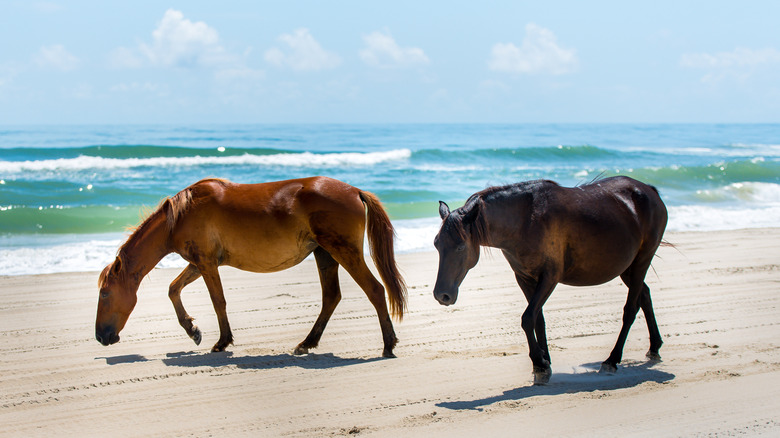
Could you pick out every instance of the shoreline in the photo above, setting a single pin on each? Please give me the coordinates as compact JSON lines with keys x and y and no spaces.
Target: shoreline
{"x":69,"y":251}
{"x":461,"y":370}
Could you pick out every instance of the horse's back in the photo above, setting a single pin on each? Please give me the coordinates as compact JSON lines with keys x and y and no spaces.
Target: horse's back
{"x":619,"y":198}
{"x":265,"y":227}
{"x":277,"y":199}
{"x":637,"y":202}
{"x":600,"y":229}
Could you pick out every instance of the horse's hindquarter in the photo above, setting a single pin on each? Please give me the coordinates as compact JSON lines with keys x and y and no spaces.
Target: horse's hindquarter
{"x":602,"y":230}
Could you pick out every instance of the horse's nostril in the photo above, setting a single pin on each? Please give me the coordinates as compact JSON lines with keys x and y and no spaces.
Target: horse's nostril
{"x":99,"y":339}
{"x":445,"y":298}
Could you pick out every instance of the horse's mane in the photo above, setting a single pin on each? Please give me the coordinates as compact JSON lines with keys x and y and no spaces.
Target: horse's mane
{"x":472,"y":212}
{"x":172,"y":207}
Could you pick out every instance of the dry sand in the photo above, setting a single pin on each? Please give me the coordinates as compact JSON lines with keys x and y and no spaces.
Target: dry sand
{"x":461,"y":370}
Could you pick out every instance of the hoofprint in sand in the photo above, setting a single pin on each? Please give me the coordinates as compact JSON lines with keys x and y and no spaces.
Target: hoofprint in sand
{"x":461,"y":370}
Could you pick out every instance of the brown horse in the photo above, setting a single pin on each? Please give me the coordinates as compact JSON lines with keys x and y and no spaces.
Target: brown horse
{"x":579,"y":236}
{"x":260,"y":228}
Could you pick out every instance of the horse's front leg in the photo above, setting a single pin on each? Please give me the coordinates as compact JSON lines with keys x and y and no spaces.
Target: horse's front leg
{"x":542,"y":291}
{"x":542,"y":369}
{"x":214,"y":284}
{"x":541,"y":336}
{"x":533,"y":327}
{"x":187,"y":276}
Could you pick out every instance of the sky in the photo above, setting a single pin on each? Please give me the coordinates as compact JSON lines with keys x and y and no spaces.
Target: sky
{"x":99,"y":62}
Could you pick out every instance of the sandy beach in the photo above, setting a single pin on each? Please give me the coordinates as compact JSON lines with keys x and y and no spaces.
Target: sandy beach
{"x":461,"y":370}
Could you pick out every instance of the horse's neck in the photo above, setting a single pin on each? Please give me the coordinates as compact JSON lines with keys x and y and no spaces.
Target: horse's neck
{"x":496,"y":225}
{"x":147,"y":246}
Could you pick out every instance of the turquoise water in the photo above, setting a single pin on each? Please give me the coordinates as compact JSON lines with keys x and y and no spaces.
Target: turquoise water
{"x":74,"y":189}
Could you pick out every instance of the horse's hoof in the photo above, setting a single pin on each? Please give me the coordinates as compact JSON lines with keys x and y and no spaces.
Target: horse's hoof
{"x":607,"y":368}
{"x":542,"y":375}
{"x":196,"y":335}
{"x":299,"y":350}
{"x":653,"y":356}
{"x":388,"y":354}
{"x":217,"y":348}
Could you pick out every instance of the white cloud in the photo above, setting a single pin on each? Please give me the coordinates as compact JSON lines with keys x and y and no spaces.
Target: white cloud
{"x":538,"y":53}
{"x":382,"y":51}
{"x":739,"y":57}
{"x":304,"y":54}
{"x":56,"y":57}
{"x":179,"y":42}
{"x":741,"y":65}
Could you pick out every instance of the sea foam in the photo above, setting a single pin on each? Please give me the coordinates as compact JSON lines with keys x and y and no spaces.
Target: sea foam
{"x":303,"y":159}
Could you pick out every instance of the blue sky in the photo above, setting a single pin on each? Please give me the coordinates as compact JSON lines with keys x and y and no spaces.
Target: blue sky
{"x":395,"y":62}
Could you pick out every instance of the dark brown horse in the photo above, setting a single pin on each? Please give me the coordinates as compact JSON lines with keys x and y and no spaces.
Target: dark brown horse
{"x":260,"y":228}
{"x":579,"y":236}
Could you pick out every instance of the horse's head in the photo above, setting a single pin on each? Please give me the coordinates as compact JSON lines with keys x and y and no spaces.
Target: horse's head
{"x":458,"y":251}
{"x":117,"y":299}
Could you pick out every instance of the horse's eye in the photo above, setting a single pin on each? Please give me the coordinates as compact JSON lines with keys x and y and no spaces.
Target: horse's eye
{"x":461,"y":247}
{"x":103,"y":294}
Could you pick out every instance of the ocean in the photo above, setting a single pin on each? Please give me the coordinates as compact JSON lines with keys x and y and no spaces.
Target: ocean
{"x":69,"y":193}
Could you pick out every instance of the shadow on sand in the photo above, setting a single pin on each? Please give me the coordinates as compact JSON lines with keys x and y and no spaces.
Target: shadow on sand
{"x":129,"y":358}
{"x":585,"y":379}
{"x":261,"y":362}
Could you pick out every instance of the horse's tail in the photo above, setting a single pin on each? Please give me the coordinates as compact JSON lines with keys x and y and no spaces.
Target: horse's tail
{"x":380,"y":242}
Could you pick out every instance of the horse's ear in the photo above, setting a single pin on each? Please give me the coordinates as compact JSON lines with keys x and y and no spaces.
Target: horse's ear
{"x":116,"y":267}
{"x":444,"y":209}
{"x":471,"y":215}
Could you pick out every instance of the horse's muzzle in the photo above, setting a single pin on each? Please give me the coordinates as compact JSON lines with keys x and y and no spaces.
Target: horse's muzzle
{"x":106,"y":337}
{"x":446,"y":299}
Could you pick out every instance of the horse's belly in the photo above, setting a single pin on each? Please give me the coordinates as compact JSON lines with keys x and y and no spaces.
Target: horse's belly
{"x":268,"y":255}
{"x":590,"y":279}
{"x":595,"y":270}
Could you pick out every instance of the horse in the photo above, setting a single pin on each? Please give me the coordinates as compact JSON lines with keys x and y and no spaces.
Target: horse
{"x":581,"y":236}
{"x":265,"y":227}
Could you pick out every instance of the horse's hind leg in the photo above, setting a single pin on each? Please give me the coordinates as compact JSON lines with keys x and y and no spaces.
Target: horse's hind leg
{"x":187,"y":276}
{"x":633,"y":277}
{"x":355,"y":265}
{"x":331,"y":295}
{"x":652,"y":326}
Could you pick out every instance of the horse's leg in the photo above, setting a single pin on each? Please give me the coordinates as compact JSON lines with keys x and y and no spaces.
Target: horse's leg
{"x":214,"y":284}
{"x":541,"y":337}
{"x":633,"y":277}
{"x":355,"y":265}
{"x":541,"y":292}
{"x":652,"y":326}
{"x":539,"y":330}
{"x":331,"y":295}
{"x":187,"y":276}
